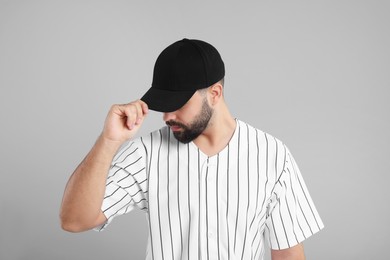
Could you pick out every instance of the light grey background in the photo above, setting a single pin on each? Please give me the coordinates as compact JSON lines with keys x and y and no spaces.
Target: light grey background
{"x":313,"y":73}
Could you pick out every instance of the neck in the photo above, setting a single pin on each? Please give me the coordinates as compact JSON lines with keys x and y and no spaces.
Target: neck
{"x":218,"y":132}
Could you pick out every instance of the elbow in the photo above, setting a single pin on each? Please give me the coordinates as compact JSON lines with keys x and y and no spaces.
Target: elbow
{"x":79,"y":223}
{"x":71,"y":225}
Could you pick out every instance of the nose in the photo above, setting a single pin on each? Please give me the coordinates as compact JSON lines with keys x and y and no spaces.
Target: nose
{"x":169,"y":116}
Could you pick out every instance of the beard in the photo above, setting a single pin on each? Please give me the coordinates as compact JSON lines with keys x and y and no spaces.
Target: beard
{"x":194,"y":129}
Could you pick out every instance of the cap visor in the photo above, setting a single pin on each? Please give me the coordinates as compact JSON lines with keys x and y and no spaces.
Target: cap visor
{"x":166,"y":101}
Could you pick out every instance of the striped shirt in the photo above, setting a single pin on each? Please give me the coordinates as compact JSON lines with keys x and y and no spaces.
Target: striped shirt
{"x":224,"y":206}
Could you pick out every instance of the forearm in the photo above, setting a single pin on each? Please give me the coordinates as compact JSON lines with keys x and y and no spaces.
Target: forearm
{"x":83,"y":196}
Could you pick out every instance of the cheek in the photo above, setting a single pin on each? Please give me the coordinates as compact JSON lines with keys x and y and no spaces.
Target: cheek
{"x":188,"y":116}
{"x":189,"y":111}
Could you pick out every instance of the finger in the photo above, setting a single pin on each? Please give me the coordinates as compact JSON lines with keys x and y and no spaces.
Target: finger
{"x":130,"y":111}
{"x":142,"y":110}
{"x":139,"y":113}
{"x":145,"y":107}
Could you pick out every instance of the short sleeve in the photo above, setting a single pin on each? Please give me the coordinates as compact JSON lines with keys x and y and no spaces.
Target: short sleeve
{"x":126,"y":185}
{"x":291,"y":214}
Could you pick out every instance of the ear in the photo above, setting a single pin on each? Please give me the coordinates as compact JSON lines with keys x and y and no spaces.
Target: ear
{"x":216,"y":93}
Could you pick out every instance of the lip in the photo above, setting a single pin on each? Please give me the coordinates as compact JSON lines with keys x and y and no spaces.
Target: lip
{"x":175,"y":128}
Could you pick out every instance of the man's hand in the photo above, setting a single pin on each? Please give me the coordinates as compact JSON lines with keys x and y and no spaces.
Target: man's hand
{"x":123,"y":121}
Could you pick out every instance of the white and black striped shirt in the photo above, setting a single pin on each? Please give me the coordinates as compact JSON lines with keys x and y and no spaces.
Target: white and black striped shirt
{"x":219,"y":207}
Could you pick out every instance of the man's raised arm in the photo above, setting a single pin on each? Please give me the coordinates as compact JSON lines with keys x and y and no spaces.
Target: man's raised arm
{"x":84,"y":192}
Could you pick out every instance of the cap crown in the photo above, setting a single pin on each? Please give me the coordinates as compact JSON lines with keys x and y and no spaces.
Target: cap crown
{"x":187,"y":65}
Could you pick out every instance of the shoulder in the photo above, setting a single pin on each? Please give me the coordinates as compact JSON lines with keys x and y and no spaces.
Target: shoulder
{"x":261,"y":137}
{"x":153,"y":140}
{"x":140,"y":147}
{"x":267,"y":147}
{"x":270,"y":151}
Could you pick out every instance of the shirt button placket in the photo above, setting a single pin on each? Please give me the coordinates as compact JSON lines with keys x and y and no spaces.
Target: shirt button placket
{"x":202,"y":211}
{"x":212,"y":212}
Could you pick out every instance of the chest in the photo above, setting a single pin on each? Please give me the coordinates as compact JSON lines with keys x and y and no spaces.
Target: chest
{"x":184,"y":181}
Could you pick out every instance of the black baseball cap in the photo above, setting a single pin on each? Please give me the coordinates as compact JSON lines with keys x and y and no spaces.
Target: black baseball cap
{"x":180,"y":70}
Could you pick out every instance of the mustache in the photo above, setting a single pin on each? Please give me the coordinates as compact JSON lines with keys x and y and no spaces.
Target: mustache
{"x":174,"y":123}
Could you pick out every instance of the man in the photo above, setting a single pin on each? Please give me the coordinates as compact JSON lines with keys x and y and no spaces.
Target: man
{"x":213,"y":186}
